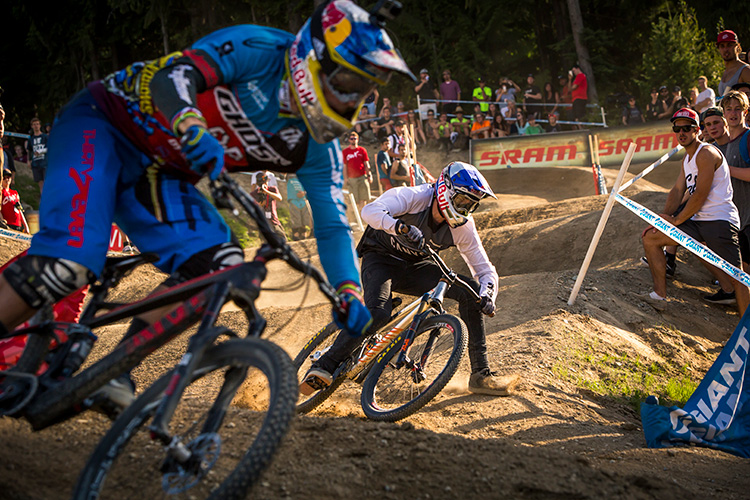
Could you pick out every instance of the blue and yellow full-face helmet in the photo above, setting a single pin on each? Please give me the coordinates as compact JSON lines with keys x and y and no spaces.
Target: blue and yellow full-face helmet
{"x":338,"y":57}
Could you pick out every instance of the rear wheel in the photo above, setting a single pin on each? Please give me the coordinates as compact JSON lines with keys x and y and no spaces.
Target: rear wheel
{"x":391,"y":393}
{"x":313,"y":350}
{"x":225,"y":446}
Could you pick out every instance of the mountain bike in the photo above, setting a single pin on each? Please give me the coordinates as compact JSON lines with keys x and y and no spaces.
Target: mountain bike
{"x":169,"y":440}
{"x":406,"y":363}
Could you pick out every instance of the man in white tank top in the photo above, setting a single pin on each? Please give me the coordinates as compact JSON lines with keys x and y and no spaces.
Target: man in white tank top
{"x":709,"y":215}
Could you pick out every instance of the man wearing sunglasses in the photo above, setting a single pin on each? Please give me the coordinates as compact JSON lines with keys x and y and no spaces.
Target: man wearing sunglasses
{"x":400,"y":223}
{"x":708,"y":215}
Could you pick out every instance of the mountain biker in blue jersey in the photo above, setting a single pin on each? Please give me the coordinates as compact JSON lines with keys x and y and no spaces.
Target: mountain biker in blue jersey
{"x":399,"y":224}
{"x":130,"y":147}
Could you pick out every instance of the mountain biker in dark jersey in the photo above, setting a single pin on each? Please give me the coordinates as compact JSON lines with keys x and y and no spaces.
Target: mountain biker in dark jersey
{"x":130,"y":147}
{"x":400,"y":222}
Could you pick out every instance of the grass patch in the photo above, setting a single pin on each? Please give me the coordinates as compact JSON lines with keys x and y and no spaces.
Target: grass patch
{"x":28,"y":190}
{"x":246,"y":231}
{"x":625,"y":377}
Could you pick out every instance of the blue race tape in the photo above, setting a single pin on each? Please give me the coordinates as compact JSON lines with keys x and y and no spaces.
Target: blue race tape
{"x":683,"y":239}
{"x":15,"y":235}
{"x":13,"y":134}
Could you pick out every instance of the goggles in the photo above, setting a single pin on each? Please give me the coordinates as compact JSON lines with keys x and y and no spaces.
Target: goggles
{"x":349,"y":86}
{"x":465,"y":203}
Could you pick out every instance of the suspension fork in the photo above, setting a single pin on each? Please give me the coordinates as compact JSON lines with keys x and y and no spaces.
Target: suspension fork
{"x":181,"y":375}
{"x":432,"y":301}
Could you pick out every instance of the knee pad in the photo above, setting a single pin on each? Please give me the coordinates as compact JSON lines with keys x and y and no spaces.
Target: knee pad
{"x":41,"y":281}
{"x":210,"y":260}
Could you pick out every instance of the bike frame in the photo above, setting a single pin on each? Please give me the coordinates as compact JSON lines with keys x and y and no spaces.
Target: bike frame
{"x":411,"y":315}
{"x":199,"y":299}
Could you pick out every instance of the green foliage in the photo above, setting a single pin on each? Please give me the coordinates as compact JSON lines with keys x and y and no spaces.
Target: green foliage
{"x":678,"y":51}
{"x":53,"y":52}
{"x":28,"y":190}
{"x":622,"y":376}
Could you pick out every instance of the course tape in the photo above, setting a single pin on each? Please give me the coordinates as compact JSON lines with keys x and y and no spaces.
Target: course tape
{"x":14,"y":134}
{"x":648,"y":169}
{"x":683,"y":239}
{"x":15,"y":235}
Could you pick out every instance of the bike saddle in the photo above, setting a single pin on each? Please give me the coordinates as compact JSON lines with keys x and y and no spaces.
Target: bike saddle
{"x":117,"y":267}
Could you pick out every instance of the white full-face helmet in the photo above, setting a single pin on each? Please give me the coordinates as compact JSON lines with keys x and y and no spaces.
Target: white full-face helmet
{"x":459,"y":190}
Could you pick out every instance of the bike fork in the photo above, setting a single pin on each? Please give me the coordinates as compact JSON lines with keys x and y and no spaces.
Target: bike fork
{"x":181,"y":376}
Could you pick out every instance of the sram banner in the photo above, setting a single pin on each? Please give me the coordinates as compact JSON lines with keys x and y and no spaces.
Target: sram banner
{"x":571,"y":149}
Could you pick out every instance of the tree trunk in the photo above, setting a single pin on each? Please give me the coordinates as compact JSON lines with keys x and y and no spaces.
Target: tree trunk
{"x":164,"y":32}
{"x":294,"y":18}
{"x":576,"y":23}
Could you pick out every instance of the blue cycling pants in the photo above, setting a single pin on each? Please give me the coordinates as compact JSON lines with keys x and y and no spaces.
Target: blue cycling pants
{"x":96,"y":176}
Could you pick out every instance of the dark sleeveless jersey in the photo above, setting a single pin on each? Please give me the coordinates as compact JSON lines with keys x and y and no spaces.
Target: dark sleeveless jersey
{"x":437,"y":236}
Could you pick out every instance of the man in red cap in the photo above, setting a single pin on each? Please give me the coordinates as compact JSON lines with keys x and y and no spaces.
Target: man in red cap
{"x":708,"y":214}
{"x":735,"y":71}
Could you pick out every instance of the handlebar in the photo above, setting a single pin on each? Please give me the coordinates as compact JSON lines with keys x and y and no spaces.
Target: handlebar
{"x":448,"y":272}
{"x":224,"y":189}
{"x":451,"y":275}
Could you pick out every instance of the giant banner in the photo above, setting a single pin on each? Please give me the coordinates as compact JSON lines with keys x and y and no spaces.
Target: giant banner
{"x":567,"y":149}
{"x":717,"y":415}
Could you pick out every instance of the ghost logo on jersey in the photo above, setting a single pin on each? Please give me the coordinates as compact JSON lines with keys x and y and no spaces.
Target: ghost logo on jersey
{"x":291,"y":136}
{"x":284,"y":150}
{"x":252,"y":141}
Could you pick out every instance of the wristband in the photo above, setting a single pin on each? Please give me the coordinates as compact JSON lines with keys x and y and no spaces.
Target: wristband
{"x":183,"y":114}
{"x":351,"y":288}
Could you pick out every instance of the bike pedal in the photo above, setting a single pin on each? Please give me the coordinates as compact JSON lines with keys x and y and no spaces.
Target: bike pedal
{"x":311,"y":385}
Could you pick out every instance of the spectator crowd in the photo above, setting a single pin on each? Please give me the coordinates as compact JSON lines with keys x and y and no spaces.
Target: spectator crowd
{"x":443,"y":121}
{"x":710,"y":200}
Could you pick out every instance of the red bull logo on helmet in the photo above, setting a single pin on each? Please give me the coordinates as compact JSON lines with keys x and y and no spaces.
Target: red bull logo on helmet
{"x":299,"y":76}
{"x":332,"y":16}
{"x":441,"y":190}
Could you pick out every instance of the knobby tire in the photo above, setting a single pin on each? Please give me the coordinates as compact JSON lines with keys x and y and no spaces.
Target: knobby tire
{"x":137,"y":471}
{"x":390,"y":394}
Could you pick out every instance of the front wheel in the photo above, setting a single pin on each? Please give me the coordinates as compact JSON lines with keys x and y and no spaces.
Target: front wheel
{"x":225,"y":446}
{"x":392,"y":392}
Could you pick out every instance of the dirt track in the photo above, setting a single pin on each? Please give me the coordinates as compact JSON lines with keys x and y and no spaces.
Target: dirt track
{"x":552,"y":439}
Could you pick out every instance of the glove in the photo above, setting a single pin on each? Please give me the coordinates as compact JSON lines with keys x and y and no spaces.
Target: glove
{"x":487,"y":305}
{"x":203,"y":150}
{"x":355,"y":319}
{"x":412,"y":233}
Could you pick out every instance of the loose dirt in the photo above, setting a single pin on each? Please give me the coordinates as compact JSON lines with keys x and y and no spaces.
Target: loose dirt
{"x":556,"y":437}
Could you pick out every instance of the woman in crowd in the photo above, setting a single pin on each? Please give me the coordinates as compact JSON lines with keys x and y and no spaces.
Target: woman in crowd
{"x":655,"y":106}
{"x":411,"y":118}
{"x":519,"y":126}
{"x":551,"y":99}
{"x":500,"y":127}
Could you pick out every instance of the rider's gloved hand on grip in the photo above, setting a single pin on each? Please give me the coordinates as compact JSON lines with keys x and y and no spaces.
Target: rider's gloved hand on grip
{"x":413,"y":233}
{"x":355,"y":319}
{"x":487,"y":305}
{"x":204,"y":152}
